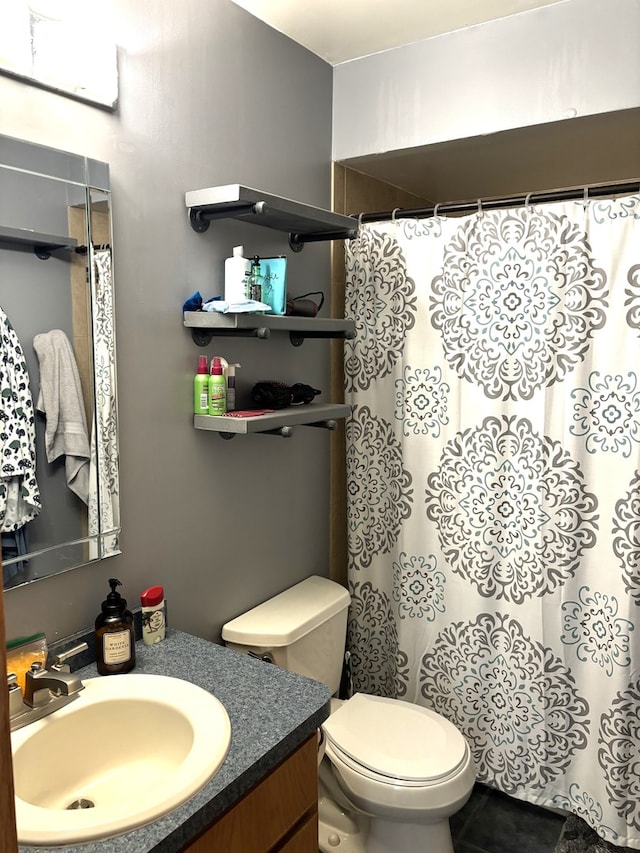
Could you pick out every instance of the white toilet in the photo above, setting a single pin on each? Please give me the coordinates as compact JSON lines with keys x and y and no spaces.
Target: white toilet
{"x":393,"y":772}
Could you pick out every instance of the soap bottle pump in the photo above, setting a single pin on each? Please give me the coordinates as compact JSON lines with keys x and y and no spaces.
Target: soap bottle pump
{"x":115,"y":638}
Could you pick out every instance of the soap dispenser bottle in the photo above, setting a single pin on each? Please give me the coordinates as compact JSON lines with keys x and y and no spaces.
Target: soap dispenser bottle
{"x":115,"y":637}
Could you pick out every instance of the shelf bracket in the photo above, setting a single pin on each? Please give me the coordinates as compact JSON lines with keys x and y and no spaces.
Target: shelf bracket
{"x":200,"y":217}
{"x":297,"y":241}
{"x":283,"y":432}
{"x":286,"y":431}
{"x":298,"y":338}
{"x":331,"y":425}
{"x":203,"y":337}
{"x":198,"y":222}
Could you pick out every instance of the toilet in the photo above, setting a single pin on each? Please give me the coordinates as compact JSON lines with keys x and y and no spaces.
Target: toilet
{"x":391,"y":773}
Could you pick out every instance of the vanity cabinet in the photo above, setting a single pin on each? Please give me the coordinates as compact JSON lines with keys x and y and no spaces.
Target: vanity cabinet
{"x":304,"y":223}
{"x":280,"y":815}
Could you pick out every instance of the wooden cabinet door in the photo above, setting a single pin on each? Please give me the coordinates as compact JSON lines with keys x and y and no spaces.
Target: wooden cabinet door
{"x":279,"y":814}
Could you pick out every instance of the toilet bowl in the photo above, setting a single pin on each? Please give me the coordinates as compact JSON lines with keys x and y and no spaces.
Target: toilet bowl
{"x":404,"y":767}
{"x":391,"y":773}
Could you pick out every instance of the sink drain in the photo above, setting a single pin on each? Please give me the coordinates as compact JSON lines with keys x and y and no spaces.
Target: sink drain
{"x":81,"y":803}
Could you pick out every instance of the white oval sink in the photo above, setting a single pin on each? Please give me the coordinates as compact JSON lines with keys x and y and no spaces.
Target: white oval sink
{"x":134,"y":746}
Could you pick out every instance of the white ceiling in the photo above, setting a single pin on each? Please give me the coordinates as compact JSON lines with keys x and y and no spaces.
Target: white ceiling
{"x":340,"y":30}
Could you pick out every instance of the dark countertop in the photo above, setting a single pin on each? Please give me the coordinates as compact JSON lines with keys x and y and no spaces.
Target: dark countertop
{"x":272,"y":711}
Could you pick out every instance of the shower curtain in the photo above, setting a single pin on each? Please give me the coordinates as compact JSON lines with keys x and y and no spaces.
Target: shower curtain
{"x":493,"y":481}
{"x":104,"y":503}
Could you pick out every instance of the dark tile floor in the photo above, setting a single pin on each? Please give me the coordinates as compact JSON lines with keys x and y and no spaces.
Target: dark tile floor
{"x":494,"y":823}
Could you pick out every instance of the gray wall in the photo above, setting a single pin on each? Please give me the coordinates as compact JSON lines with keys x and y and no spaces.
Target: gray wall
{"x":572,"y":59}
{"x":208,"y":95}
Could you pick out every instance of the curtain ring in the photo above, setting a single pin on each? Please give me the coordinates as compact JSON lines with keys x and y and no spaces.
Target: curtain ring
{"x":360,"y":220}
{"x":435,"y":209}
{"x":480,"y":210}
{"x":527,"y":203}
{"x":393,"y":214}
{"x":585,"y":199}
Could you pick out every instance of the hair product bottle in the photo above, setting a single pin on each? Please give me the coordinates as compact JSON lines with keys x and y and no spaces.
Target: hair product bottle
{"x":230,"y":374}
{"x":217,"y":389}
{"x":236,"y":275}
{"x":115,"y":638}
{"x":201,"y":388}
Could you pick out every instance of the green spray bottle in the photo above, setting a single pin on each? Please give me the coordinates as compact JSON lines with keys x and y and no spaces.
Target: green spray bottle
{"x":201,"y":388}
{"x":217,"y":388}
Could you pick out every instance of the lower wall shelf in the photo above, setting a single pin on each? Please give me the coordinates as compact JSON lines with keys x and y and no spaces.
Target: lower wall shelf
{"x":280,"y":422}
{"x":205,"y":324}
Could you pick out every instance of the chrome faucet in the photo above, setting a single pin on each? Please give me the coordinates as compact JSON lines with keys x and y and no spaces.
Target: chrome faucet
{"x":38,"y":679}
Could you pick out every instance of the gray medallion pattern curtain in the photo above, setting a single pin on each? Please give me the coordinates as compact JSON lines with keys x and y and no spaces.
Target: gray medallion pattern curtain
{"x":493,"y":479}
{"x":104,"y":503}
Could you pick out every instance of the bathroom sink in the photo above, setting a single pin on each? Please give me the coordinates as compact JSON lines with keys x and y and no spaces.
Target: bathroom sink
{"x":128,"y":750}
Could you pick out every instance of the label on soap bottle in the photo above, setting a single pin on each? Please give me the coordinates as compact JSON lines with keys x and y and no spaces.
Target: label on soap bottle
{"x":116,"y":647}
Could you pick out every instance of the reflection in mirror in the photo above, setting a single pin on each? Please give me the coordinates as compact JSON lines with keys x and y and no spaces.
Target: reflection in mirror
{"x":59,"y":485}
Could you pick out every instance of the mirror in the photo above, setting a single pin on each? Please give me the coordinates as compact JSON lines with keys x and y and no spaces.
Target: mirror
{"x":59,"y":481}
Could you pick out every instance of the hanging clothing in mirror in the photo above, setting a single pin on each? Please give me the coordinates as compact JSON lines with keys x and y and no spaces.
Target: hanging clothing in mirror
{"x":14,"y":544}
{"x":60,"y":400}
{"x":19,"y":492}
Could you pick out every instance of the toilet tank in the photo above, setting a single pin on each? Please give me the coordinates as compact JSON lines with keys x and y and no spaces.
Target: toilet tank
{"x":302,"y":629}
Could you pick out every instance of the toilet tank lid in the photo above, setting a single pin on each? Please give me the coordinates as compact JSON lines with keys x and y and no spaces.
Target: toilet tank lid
{"x":288,"y":616}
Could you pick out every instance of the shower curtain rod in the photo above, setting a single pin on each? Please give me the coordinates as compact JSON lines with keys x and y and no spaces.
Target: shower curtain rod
{"x":589,"y":192}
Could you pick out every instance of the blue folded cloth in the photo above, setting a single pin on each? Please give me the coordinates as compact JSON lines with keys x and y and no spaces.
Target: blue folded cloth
{"x":193,"y":303}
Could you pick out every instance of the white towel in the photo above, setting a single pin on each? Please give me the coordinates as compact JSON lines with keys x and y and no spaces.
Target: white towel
{"x":60,"y":399}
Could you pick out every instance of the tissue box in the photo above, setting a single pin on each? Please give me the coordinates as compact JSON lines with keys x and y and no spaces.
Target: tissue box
{"x":274,"y":284}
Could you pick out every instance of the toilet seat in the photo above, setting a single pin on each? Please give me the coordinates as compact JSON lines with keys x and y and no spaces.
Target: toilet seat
{"x":388,"y":740}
